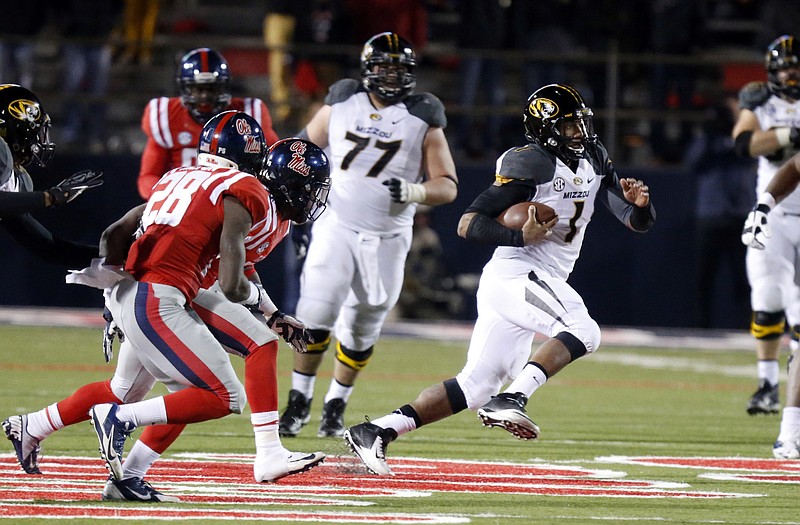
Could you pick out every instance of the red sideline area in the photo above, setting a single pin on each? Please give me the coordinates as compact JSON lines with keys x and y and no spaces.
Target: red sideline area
{"x":447,"y":331}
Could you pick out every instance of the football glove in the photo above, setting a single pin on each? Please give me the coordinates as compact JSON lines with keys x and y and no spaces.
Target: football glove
{"x":402,"y":191}
{"x":291,"y":330}
{"x":301,"y":240}
{"x":68,"y":189}
{"x":756,"y":230}
{"x":109,"y":332}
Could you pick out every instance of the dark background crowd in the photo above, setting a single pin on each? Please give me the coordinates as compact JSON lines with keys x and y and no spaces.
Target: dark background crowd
{"x":661,"y":76}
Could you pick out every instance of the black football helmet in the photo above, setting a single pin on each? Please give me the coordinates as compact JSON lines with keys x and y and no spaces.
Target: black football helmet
{"x":784,"y":53}
{"x":236,"y":136}
{"x":25,"y":126}
{"x":298,"y":175}
{"x":557,"y":118}
{"x":388,"y":67}
{"x":204,"y":83}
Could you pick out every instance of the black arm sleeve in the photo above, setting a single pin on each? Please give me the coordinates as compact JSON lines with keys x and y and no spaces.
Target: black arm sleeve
{"x":16,"y":203}
{"x":489,"y":204}
{"x":39,"y":241}
{"x":485,"y":230}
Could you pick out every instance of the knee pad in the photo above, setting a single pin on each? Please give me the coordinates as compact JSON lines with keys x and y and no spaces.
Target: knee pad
{"x":355,"y":359}
{"x":131,"y":392}
{"x":768,"y":325}
{"x":322,"y":340}
{"x":585,"y":334}
{"x":455,"y":396}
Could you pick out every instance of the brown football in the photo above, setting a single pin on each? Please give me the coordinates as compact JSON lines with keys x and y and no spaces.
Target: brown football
{"x":515,"y":216}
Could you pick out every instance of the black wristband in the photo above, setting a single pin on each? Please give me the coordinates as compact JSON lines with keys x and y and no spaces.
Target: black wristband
{"x":486,"y":230}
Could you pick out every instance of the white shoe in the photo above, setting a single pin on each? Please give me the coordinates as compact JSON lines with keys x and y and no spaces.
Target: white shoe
{"x":368,"y":441}
{"x":787,"y":448}
{"x":276,"y":466}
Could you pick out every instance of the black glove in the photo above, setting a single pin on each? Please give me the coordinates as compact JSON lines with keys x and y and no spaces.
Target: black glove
{"x":69,"y":188}
{"x":109,"y":332}
{"x":301,"y":237}
{"x":291,"y":330}
{"x":794,"y":137}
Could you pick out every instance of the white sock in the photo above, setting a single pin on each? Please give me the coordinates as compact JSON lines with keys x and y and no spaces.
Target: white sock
{"x":529,"y":379}
{"x":338,"y":391}
{"x":139,"y":460}
{"x":44,"y":422}
{"x":265,"y":428}
{"x":790,"y":423}
{"x":769,"y":369}
{"x":147,"y":412}
{"x":401,"y":423}
{"x":304,"y":383}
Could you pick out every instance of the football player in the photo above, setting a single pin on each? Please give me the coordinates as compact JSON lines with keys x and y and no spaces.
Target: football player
{"x":781,"y":187}
{"x":523,"y":289}
{"x":173,"y":124}
{"x":389,"y":154}
{"x":25,"y":140}
{"x":768,"y":128}
{"x":296,"y":175}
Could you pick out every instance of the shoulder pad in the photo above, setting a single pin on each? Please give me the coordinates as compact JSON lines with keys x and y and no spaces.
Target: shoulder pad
{"x":529,"y":163}
{"x":341,"y":90}
{"x":753,"y":95}
{"x":427,"y":108}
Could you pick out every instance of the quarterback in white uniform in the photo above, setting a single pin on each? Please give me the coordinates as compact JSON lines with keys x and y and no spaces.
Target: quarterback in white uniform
{"x":768,"y":127}
{"x":388,"y":153}
{"x":523,"y":289}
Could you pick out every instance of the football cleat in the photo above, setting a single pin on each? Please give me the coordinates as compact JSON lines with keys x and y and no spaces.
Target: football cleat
{"x":369,"y":441}
{"x":331,"y":424}
{"x":111,"y":433}
{"x":295,"y":415}
{"x":507,"y":411}
{"x":787,"y":448}
{"x":765,"y":400}
{"x":274,"y":467}
{"x":26,"y":446}
{"x":134,"y":489}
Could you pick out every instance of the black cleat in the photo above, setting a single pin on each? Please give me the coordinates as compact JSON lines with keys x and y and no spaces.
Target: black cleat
{"x":295,"y":416}
{"x":332,"y":422}
{"x":765,"y":400}
{"x":369,"y":441}
{"x":508,"y":411}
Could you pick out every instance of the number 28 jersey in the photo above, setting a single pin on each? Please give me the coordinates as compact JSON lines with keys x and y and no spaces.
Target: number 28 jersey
{"x":368,"y":146}
{"x":182,"y":224}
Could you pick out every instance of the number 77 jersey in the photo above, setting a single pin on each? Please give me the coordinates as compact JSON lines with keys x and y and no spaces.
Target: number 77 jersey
{"x":368,"y":146}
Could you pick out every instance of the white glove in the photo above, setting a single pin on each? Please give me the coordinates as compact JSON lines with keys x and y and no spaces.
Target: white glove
{"x":109,"y":332}
{"x":291,"y":330}
{"x":756,"y":230}
{"x":402,"y":191}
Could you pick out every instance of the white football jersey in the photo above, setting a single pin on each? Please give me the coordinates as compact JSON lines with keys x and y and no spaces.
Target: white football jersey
{"x":773,"y":112}
{"x":571,"y":194}
{"x":368,"y":146}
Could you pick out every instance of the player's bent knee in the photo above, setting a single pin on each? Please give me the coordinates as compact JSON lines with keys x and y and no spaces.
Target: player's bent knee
{"x":582,"y":339}
{"x":478,"y":393}
{"x":322,"y":341}
{"x":355,"y":359}
{"x":238,"y":399}
{"x":128,"y":391}
{"x":768,"y":325}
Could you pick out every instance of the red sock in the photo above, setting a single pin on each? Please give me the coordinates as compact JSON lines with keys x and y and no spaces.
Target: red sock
{"x":193,"y":405}
{"x":75,"y":408}
{"x":261,"y":378}
{"x":160,"y":437}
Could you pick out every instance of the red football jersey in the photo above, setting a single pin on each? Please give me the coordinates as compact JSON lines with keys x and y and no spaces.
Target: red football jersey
{"x":173,"y":135}
{"x":183,"y":223}
{"x":263,"y":237}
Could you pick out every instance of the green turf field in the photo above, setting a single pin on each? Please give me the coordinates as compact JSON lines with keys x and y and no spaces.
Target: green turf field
{"x":597,"y":414}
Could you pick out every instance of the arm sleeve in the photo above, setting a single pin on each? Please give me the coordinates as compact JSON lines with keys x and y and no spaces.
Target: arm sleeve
{"x":155,"y":162}
{"x":28,"y":232}
{"x":488,"y":205}
{"x":13,"y":203}
{"x":635,"y":218}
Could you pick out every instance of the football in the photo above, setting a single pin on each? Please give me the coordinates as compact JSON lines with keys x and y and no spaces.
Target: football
{"x":515,"y":216}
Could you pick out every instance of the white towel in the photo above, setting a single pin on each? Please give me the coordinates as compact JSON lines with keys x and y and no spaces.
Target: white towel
{"x":98,"y":275}
{"x":369,"y":269}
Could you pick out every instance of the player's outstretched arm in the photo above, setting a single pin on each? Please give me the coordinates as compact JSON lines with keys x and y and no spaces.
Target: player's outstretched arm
{"x":117,"y":238}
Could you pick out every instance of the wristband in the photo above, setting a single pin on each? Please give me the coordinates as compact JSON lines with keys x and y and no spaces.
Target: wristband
{"x":784,"y":136}
{"x":417,"y":193}
{"x":254,"y":296}
{"x":767,"y":200}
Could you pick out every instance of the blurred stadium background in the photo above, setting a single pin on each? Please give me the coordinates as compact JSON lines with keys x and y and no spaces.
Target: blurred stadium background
{"x":617,"y":51}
